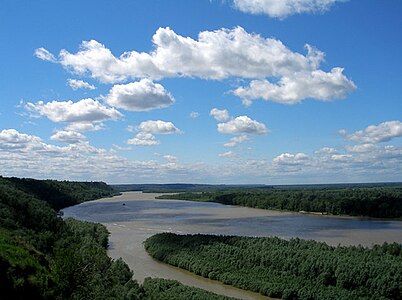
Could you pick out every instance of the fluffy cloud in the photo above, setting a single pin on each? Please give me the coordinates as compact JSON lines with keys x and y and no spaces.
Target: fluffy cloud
{"x":148,"y":129}
{"x":291,"y":159}
{"x":25,"y":155}
{"x":84,"y":111}
{"x":234,"y":141}
{"x":242,"y":125}
{"x":158,"y":127}
{"x":221,"y":115}
{"x":294,"y":88}
{"x":143,"y":139}
{"x":143,"y":95}
{"x":67,"y":136}
{"x":283,"y":8}
{"x":76,"y":84}
{"x":218,"y":54}
{"x":11,"y":139}
{"x":383,"y":132}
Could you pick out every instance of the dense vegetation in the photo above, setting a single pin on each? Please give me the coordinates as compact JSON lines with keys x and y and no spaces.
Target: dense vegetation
{"x":60,"y":194}
{"x":44,"y":257}
{"x":379,"y":202}
{"x":158,"y":289}
{"x":294,"y":269}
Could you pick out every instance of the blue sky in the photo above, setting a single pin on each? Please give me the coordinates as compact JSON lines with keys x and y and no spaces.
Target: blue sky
{"x":236,"y":91}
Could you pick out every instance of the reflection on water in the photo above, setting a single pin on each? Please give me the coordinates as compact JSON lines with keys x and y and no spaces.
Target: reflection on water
{"x":133,"y":217}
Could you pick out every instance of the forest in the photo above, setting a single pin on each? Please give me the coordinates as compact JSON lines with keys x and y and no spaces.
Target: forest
{"x":287,"y":269}
{"x":43,"y":256}
{"x":371,"y":201}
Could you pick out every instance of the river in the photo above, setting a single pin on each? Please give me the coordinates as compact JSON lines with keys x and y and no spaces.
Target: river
{"x":134,"y":216}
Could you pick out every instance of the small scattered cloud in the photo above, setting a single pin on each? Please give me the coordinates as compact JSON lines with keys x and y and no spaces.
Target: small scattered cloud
{"x":82,"y":126}
{"x":170,"y":158}
{"x":194,"y":114}
{"x":68,"y":137}
{"x":373,"y":134}
{"x":221,"y":115}
{"x":45,"y":55}
{"x":143,"y":95}
{"x":282,"y":9}
{"x":77,"y":84}
{"x":242,"y":125}
{"x":234,"y":141}
{"x":326,"y":150}
{"x":228,"y":154}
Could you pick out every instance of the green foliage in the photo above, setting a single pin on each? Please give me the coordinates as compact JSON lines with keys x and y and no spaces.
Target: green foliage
{"x":60,"y":194}
{"x":379,"y":202}
{"x":294,"y":269}
{"x":44,"y":257}
{"x":157,"y":288}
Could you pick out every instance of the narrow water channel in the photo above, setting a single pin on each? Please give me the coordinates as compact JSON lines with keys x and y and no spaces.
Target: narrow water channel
{"x":133,"y":217}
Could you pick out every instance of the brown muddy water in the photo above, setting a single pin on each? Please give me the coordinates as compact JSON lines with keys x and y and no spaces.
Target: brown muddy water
{"x":133,"y":217}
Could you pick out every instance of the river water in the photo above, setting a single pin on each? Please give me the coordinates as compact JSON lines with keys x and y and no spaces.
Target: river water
{"x":133,"y":217}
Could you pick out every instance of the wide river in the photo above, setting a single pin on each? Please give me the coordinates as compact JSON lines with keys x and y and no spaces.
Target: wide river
{"x":134,"y":216}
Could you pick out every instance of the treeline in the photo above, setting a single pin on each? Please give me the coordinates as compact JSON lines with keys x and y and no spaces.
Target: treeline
{"x":45,"y":257}
{"x":378,"y":202}
{"x":60,"y":194}
{"x":294,"y":269}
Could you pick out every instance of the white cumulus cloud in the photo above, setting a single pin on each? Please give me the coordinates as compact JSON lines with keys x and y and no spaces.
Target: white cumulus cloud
{"x":143,"y":139}
{"x":68,"y":136}
{"x":290,"y":159}
{"x":283,"y":8}
{"x":143,"y":95}
{"x":294,"y":88}
{"x":218,"y":55}
{"x":158,"y":127}
{"x":76,"y":84}
{"x":221,"y":115}
{"x":242,"y":125}
{"x":147,"y":131}
{"x":83,"y":111}
{"x":382,"y":132}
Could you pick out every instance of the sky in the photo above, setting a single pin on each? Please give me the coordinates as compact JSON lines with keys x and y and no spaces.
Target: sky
{"x":205,"y":91}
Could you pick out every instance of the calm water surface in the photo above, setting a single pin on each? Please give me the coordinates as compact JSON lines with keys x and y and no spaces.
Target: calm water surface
{"x":133,"y":217}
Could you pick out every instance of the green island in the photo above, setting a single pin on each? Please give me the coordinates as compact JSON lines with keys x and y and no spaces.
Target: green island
{"x":43,"y":256}
{"x":294,"y":269}
{"x":355,"y":200}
